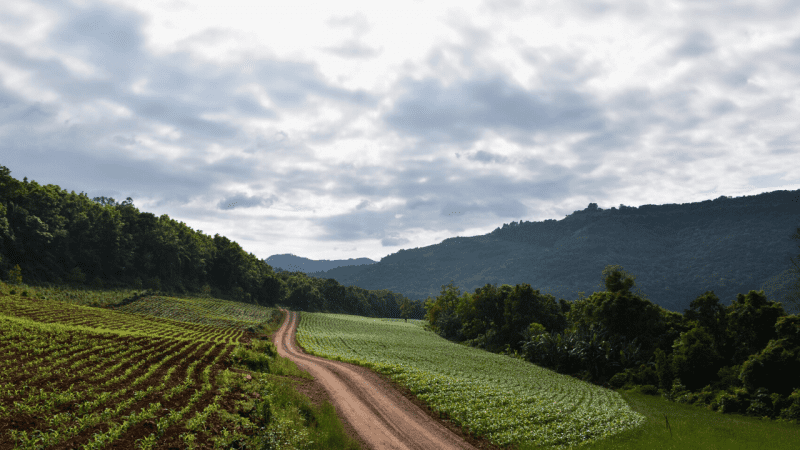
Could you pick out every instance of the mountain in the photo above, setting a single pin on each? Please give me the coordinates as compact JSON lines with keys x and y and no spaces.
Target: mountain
{"x":675,"y":251}
{"x":294,"y":263}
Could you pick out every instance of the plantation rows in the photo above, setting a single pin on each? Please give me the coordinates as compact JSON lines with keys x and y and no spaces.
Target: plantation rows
{"x":81,"y":377}
{"x":218,"y":313}
{"x":504,"y":399}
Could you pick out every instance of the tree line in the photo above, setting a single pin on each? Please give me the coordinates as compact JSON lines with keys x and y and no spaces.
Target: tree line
{"x":51,"y":236}
{"x":743,"y":358}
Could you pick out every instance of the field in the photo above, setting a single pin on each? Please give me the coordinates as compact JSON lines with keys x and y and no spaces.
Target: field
{"x":167,"y":372}
{"x":510,"y":401}
{"x":160,"y":372}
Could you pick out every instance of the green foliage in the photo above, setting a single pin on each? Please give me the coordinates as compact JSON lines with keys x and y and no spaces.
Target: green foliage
{"x":764,"y":369}
{"x":154,"y":283}
{"x":694,"y":358}
{"x":711,"y":315}
{"x":76,"y":275}
{"x":728,"y":378}
{"x":664,"y":369}
{"x":648,"y":389}
{"x":788,"y":328}
{"x":97,"y":283}
{"x":15,"y":275}
{"x":751,"y":323}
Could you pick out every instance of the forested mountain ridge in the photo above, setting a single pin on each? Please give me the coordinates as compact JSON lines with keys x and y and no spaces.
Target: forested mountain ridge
{"x":294,"y":263}
{"x":675,"y":252}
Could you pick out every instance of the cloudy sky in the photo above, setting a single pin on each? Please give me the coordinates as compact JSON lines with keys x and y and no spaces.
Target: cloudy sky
{"x":336,"y":130}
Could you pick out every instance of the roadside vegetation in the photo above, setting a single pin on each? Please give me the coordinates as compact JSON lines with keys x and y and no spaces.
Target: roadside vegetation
{"x":158,"y":372}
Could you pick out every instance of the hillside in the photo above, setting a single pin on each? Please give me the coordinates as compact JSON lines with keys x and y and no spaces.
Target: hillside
{"x":676,"y":253}
{"x":294,"y":263}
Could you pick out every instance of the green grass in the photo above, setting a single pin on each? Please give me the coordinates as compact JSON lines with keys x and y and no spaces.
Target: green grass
{"x":694,"y":427}
{"x":512,"y":402}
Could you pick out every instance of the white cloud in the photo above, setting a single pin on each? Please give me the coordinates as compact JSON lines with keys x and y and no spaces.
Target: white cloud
{"x":346,"y":130}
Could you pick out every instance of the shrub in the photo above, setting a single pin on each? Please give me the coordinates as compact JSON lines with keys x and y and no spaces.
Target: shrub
{"x":644,"y":374}
{"x":618,"y":380}
{"x":728,"y":378}
{"x":76,"y":275}
{"x":792,"y":411}
{"x":734,"y":402}
{"x":154,"y":284}
{"x":678,"y":392}
{"x":15,"y":275}
{"x":664,"y":369}
{"x":648,"y":389}
{"x":97,"y":283}
{"x":761,"y":404}
{"x":780,"y":356}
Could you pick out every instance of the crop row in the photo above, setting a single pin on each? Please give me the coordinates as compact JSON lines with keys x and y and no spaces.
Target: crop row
{"x":82,"y":377}
{"x":505,"y":399}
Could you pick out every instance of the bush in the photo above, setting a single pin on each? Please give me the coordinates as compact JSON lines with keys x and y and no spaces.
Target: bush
{"x":780,"y":356}
{"x":734,"y":402}
{"x":792,"y":411}
{"x":644,"y":374}
{"x":761,"y":404}
{"x":618,"y":380}
{"x":97,"y":283}
{"x":76,"y":275}
{"x":678,"y":392}
{"x":15,"y":275}
{"x":728,"y":378}
{"x":154,"y":284}
{"x":648,"y":389}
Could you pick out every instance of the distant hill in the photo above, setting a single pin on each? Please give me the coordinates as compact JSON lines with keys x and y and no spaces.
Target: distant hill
{"x":675,"y":251}
{"x":292,"y":263}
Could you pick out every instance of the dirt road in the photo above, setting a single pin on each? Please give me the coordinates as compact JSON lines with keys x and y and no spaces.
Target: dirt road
{"x":381,"y":416}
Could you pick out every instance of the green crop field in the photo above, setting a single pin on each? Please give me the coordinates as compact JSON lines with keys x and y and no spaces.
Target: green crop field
{"x":504,"y":399}
{"x":158,"y":372}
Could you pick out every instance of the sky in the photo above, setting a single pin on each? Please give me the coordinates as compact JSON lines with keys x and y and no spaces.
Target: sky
{"x":350,"y":129}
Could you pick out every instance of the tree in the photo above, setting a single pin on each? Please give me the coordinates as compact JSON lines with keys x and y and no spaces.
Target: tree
{"x":445,"y":301}
{"x":405,"y":309}
{"x":773,"y":368}
{"x":751,"y":324}
{"x":694,"y":360}
{"x":710,"y":314}
{"x":623,"y":313}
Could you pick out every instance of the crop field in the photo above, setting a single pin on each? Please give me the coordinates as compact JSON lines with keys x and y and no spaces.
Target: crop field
{"x":74,"y":376}
{"x":502,"y":398}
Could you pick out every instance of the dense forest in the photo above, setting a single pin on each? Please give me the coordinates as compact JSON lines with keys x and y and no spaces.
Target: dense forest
{"x":51,"y":236}
{"x":744,"y":358}
{"x":741,"y":358}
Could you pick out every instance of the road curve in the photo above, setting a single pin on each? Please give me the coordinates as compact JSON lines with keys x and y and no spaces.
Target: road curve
{"x":384,"y":419}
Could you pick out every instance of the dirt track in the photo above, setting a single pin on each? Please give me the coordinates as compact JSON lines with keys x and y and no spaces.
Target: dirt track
{"x":380,"y":415}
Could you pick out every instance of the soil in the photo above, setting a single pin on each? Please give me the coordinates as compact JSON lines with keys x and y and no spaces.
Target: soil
{"x":376,"y":411}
